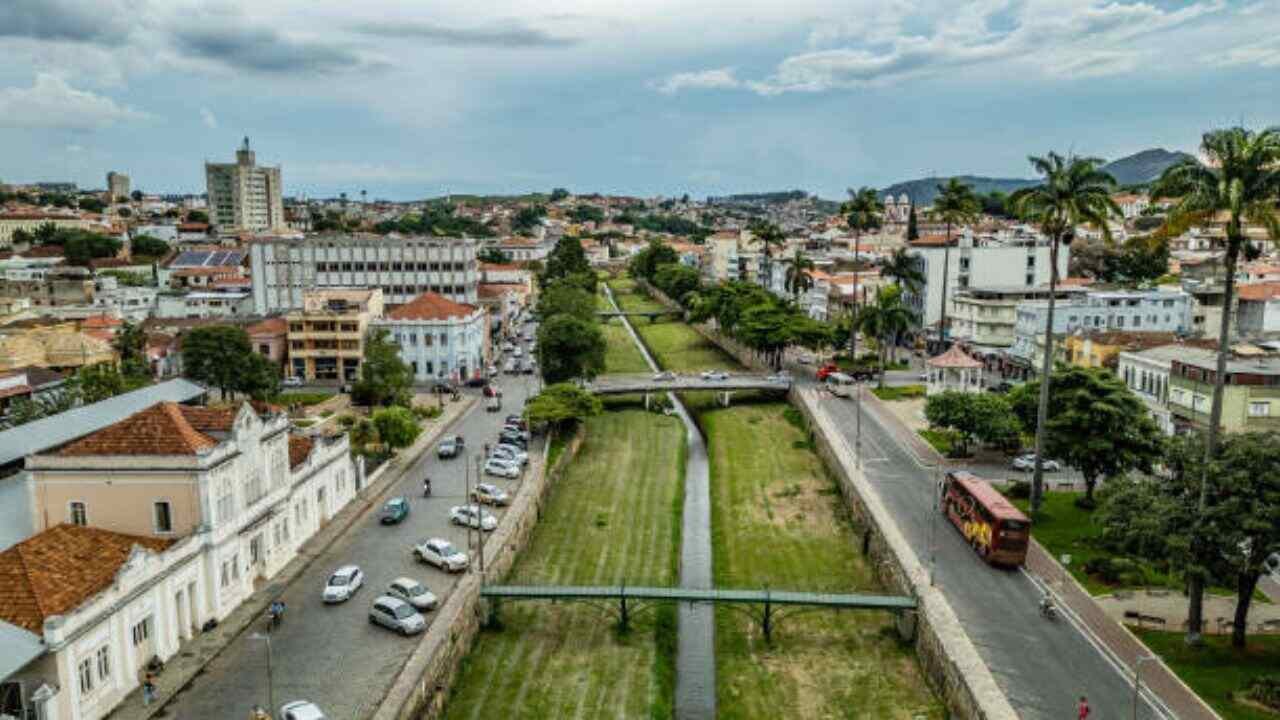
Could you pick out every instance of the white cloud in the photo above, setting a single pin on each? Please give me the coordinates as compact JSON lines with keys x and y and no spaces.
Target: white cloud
{"x":208,"y":118}
{"x":51,"y":103}
{"x":1265,"y":54}
{"x":73,"y":148}
{"x":721,"y":78}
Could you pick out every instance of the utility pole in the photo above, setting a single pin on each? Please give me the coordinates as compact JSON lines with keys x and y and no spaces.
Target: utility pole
{"x":466,"y":474}
{"x":858,"y":424}
{"x":1137,"y":681}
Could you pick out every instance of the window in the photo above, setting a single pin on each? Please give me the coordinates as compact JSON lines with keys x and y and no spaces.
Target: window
{"x":226,"y":501}
{"x":1259,"y":409}
{"x":103,"y":657}
{"x":1031,"y":262}
{"x":163,"y":516}
{"x":1120,"y":321}
{"x":79,"y":515}
{"x":85,"y":672}
{"x":1137,"y":321}
{"x":142,"y":631}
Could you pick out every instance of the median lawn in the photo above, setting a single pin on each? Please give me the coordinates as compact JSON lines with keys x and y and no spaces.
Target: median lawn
{"x":621,"y":354}
{"x":613,"y":517}
{"x":778,"y":521}
{"x":629,"y":298}
{"x":678,"y":347}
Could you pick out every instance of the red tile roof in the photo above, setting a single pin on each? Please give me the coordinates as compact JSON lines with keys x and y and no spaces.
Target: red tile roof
{"x":498,"y":289}
{"x":430,"y":306}
{"x":1260,"y":291}
{"x":299,"y":449}
{"x":56,"y":571}
{"x":270,"y":326}
{"x":163,"y":429}
{"x":954,"y":358}
{"x":498,"y":266}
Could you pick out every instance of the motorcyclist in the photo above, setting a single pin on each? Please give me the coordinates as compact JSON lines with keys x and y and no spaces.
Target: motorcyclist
{"x":1046,"y":605}
{"x":426,"y":487}
{"x":276,"y":611}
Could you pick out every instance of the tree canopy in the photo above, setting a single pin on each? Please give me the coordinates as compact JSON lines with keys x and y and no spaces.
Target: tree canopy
{"x":396,"y":426}
{"x":566,"y":298}
{"x":385,"y":379}
{"x":569,"y":348}
{"x":148,"y":246}
{"x":973,"y":416}
{"x":561,"y":405}
{"x":568,"y":261}
{"x":222,"y":356}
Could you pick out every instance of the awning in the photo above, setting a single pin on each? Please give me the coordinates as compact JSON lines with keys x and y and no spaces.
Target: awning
{"x":22,"y":645}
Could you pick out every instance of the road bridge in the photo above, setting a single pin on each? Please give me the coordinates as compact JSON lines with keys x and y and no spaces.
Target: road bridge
{"x":647,"y":384}
{"x":651,"y":314}
{"x":769,"y":602}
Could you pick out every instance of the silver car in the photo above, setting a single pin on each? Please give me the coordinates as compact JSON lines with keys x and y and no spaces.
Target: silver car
{"x":300,"y":710}
{"x":413,"y":592}
{"x":395,"y":614}
{"x":473,"y":516}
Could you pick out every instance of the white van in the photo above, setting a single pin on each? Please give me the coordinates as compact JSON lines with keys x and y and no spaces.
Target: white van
{"x":841,"y":385}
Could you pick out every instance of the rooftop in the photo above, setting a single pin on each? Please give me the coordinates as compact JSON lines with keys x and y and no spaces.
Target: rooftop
{"x":1207,"y":359}
{"x":430,"y":306}
{"x":954,"y":358}
{"x":1260,"y":291}
{"x":165,"y":428}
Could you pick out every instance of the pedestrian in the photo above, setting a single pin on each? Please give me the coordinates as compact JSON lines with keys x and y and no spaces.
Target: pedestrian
{"x":148,"y":689}
{"x":1083,"y":709}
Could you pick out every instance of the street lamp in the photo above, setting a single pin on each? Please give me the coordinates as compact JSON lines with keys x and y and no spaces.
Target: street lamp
{"x":271,"y":691}
{"x":1137,"y":680}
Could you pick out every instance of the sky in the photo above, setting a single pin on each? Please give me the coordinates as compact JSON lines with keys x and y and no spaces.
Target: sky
{"x":644,"y":97}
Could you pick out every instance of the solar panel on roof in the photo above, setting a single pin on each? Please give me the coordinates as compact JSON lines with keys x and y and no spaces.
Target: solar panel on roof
{"x":190,"y":258}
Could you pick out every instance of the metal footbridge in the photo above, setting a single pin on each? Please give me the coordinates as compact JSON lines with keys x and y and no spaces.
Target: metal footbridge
{"x":651,"y":314}
{"x":763,"y":605}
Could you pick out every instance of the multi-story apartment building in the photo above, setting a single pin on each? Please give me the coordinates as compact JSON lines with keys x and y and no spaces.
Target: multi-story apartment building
{"x":1007,"y":262}
{"x":1251,"y":396}
{"x":439,"y":338}
{"x":326,"y":336}
{"x":244,"y":197}
{"x":117,"y":186}
{"x":151,"y":527}
{"x":987,"y":315}
{"x":230,"y":303}
{"x":403,"y":268}
{"x":722,"y":259}
{"x":1099,"y":311}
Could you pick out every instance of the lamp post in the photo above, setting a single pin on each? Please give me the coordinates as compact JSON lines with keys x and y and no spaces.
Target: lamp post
{"x":857,"y":436}
{"x":271,"y":691}
{"x":1137,"y":681}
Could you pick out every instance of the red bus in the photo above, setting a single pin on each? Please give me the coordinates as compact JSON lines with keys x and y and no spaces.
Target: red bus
{"x":997,"y":530}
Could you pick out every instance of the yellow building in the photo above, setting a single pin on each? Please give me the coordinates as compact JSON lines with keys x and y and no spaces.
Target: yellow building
{"x":1103,"y":349}
{"x":59,"y":346}
{"x":29,"y":221}
{"x":326,"y":337}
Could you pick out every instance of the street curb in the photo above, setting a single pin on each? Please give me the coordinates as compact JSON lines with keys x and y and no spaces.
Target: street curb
{"x":337,"y":530}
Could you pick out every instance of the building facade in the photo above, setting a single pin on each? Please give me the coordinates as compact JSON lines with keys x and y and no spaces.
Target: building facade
{"x":1097,"y":312}
{"x":1258,"y":311}
{"x":1146,"y":373}
{"x":326,"y":336}
{"x":29,"y":221}
{"x":117,"y":187}
{"x":988,"y":315}
{"x":403,"y":268}
{"x":1251,"y":396}
{"x":244,"y":196}
{"x":438,"y":338}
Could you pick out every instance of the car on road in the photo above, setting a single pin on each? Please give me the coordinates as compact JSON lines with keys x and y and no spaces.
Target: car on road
{"x":501,"y":468}
{"x":507,"y":451}
{"x":1027,"y":463}
{"x":292,"y":381}
{"x":923,"y":377}
{"x":491,"y":371}
{"x":783,"y":376}
{"x":396,"y":614}
{"x":343,"y":583}
{"x":825,"y":371}
{"x":664,"y":376}
{"x":487,"y":494}
{"x":517,"y":421}
{"x":473,"y":516}
{"x":493,"y":404}
{"x":509,"y":367}
{"x":527,"y":366}
{"x":413,"y":592}
{"x":450,"y":447}
{"x":514,"y":429}
{"x":517,"y":352}
{"x":301,"y":710}
{"x":714,"y":375}
{"x":442,"y":554}
{"x":394,"y":510}
{"x":508,"y":346}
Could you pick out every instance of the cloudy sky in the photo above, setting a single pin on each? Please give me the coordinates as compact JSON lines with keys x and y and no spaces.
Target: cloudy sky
{"x":410,"y":99}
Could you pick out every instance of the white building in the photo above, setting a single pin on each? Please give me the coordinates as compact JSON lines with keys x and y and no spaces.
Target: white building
{"x":439,"y":338}
{"x":134,"y":304}
{"x":1101,"y":311}
{"x":403,"y":267}
{"x":1146,"y":372}
{"x":201,"y":304}
{"x":1258,"y":311}
{"x":243,"y":196}
{"x":953,"y":371}
{"x":986,"y":316}
{"x":167,"y":233}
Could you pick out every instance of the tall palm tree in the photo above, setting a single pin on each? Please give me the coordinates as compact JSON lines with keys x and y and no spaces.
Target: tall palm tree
{"x":1074,"y":192}
{"x":955,"y":205}
{"x":1242,"y":181}
{"x":885,"y":319}
{"x":798,"y":278}
{"x":862,"y":212}
{"x":904,"y":271}
{"x":770,"y":236}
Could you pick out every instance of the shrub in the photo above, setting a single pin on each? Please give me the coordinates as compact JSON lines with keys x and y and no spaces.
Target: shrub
{"x":1265,"y":690}
{"x":1019,"y":490}
{"x":347,"y":421}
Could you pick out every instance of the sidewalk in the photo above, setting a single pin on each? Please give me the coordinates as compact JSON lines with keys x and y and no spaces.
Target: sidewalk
{"x":192,"y":657}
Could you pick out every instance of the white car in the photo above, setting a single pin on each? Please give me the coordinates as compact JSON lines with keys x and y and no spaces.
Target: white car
{"x":508,"y":347}
{"x":442,"y":554}
{"x":301,"y":710}
{"x":292,"y":381}
{"x":395,"y":614}
{"x":517,"y":352}
{"x":714,"y":375}
{"x":487,"y":494}
{"x":413,"y":592}
{"x":664,"y":376}
{"x":1027,"y":463}
{"x":473,"y":516}
{"x":343,"y":583}
{"x":515,"y":429}
{"x":783,"y":376}
{"x":510,"y":453}
{"x":501,"y":468}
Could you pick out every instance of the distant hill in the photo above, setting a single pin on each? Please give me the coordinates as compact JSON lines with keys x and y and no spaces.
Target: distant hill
{"x":1137,"y":169}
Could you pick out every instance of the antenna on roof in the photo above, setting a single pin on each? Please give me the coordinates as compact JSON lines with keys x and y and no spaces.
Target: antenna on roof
{"x":246,"y":142}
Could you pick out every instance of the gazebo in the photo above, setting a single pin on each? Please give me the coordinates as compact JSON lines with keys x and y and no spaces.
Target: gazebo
{"x":954,"y":370}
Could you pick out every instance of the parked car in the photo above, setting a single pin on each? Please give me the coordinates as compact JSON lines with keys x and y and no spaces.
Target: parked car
{"x":441,"y":387}
{"x":515,"y":429}
{"x":1027,"y":463}
{"x":343,"y":583}
{"x":714,"y":375}
{"x":513,"y":438}
{"x":508,"y":347}
{"x":442,"y":554}
{"x":501,"y":468}
{"x":517,"y":421}
{"x":491,"y":371}
{"x":292,"y":381}
{"x":487,"y":494}
{"x":526,"y":367}
{"x":450,"y":447}
{"x":413,"y":592}
{"x":507,"y":451}
{"x":396,"y":614}
{"x":517,"y":352}
{"x":473,"y":516}
{"x":477,"y":381}
{"x":664,"y":376}
{"x":493,"y":404}
{"x":492,"y":391}
{"x":509,"y":367}
{"x":301,"y":710}
{"x":826,"y":370}
{"x":395,"y":510}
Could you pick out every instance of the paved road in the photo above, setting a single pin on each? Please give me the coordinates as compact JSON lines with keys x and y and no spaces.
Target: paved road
{"x":696,"y":628}
{"x":1042,"y":666}
{"x":332,"y":655}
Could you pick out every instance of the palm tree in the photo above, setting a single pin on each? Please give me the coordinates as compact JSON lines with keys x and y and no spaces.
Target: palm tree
{"x":1074,"y":192}
{"x":885,"y":320}
{"x":769,"y":236}
{"x":862,"y":212}
{"x":904,"y":271}
{"x":798,"y":278}
{"x":1242,"y":181}
{"x":955,"y":205}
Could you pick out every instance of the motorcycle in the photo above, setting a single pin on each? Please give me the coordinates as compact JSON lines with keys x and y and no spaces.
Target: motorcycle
{"x":426,"y":488}
{"x":275,"y":614}
{"x":1048,"y":610}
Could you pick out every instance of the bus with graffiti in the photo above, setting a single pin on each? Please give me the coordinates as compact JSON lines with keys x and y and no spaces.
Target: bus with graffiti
{"x":992,"y":526}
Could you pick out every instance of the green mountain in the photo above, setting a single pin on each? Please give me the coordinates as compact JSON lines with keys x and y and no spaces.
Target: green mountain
{"x":1137,"y":169}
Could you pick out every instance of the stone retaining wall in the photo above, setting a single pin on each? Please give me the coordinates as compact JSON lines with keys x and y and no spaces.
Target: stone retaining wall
{"x":424,"y":683}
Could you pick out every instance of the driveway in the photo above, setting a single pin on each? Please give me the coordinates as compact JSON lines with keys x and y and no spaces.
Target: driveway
{"x":332,"y":655}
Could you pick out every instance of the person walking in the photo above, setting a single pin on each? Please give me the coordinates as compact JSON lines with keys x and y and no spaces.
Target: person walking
{"x":1083,"y":710}
{"x":148,"y":689}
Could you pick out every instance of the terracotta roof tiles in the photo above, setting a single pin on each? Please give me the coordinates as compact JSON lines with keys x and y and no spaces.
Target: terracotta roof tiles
{"x":299,"y":449}
{"x":430,"y":306}
{"x":1260,"y":291}
{"x":954,"y":358}
{"x":162,"y":429}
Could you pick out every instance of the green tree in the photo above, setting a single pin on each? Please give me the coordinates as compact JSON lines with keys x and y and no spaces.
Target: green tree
{"x":396,"y":426}
{"x":768,"y":235}
{"x":904,"y":270}
{"x":558,"y":194}
{"x":677,"y":280}
{"x":136,"y":195}
{"x":259,"y":377}
{"x":91,"y":204}
{"x":560,"y":406}
{"x":1074,"y":192}
{"x":566,"y":298}
{"x":981,"y":416}
{"x":570,"y":348}
{"x":23,"y":237}
{"x":130,"y":344}
{"x":1095,"y":424}
{"x":568,"y":259}
{"x":587,"y":213}
{"x":766,"y":329}
{"x":46,"y":233}
{"x":100,"y":382}
{"x":1242,"y":180}
{"x":148,"y":246}
{"x":216,"y":355}
{"x":385,"y":379}
{"x":955,"y":205}
{"x":885,"y":320}
{"x":527,"y":218}
{"x":863,"y":212}
{"x":645,"y":263}
{"x":494,"y":255}
{"x":197,"y":216}
{"x":798,"y":279}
